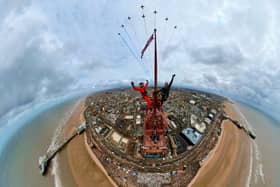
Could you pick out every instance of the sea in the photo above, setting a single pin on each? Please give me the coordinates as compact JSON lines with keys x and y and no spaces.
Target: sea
{"x":19,"y":161}
{"x":266,"y":147}
{"x":19,"y":158}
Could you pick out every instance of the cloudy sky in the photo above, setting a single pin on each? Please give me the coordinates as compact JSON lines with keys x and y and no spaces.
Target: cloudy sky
{"x":53,"y":47}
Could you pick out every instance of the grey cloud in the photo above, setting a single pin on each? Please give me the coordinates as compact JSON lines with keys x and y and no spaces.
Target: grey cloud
{"x":32,"y":75}
{"x":167,"y":52}
{"x":53,"y":46}
{"x":210,"y":78}
{"x":217,"y":55}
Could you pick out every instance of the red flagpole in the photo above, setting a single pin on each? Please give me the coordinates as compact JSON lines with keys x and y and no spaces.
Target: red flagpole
{"x":155,"y":72}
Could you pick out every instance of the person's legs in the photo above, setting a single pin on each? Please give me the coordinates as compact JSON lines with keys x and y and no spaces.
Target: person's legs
{"x":148,"y":101}
{"x":163,"y":99}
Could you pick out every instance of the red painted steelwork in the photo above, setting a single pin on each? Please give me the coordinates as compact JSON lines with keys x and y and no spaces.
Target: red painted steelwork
{"x":155,"y":122}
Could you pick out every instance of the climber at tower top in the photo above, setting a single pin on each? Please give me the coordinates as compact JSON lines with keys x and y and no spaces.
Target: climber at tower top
{"x":143,"y":90}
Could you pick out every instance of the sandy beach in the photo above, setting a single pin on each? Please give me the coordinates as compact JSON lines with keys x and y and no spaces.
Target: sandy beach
{"x":84,"y":169}
{"x":229,"y":163}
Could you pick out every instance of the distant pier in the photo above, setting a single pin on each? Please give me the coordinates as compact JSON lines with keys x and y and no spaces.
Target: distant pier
{"x":44,"y":162}
{"x":240,"y":126}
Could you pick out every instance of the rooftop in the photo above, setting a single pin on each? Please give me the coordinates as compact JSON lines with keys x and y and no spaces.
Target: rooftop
{"x":192,"y":135}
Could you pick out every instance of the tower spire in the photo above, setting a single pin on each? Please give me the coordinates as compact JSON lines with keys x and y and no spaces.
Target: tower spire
{"x":155,"y":71}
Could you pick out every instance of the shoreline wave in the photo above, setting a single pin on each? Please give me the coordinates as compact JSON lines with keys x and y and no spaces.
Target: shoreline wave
{"x":58,"y":137}
{"x":256,"y":156}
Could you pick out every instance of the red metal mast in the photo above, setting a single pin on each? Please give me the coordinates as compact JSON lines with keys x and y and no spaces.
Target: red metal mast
{"x":155,"y":122}
{"x":155,"y":68}
{"x":155,"y":74}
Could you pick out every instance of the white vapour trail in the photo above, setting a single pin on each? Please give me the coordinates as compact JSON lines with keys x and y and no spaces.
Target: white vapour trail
{"x":50,"y":47}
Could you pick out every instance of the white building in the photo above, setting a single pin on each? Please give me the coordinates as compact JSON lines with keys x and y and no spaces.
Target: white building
{"x":98,"y":129}
{"x":211,"y":116}
{"x":208,"y":121}
{"x":192,"y":102}
{"x":193,"y":119}
{"x":172,"y":124}
{"x":213,"y":111}
{"x":138,"y":120}
{"x":129,"y":117}
{"x":200,"y":127}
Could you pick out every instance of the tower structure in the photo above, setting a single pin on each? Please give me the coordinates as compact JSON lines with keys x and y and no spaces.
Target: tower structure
{"x":155,"y":122}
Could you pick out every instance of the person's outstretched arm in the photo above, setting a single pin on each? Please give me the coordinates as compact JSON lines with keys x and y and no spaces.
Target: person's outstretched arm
{"x":170,"y":83}
{"x":134,"y":87}
{"x":146,"y":85}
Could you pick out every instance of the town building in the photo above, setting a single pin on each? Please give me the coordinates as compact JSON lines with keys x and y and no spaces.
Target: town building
{"x":192,"y":135}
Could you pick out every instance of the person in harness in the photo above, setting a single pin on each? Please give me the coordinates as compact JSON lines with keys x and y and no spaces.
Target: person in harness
{"x":164,"y":91}
{"x":143,"y":90}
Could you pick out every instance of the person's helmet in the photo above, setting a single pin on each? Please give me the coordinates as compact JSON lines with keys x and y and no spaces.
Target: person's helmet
{"x":166,"y":84}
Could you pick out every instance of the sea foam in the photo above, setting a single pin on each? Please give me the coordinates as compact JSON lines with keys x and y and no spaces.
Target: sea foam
{"x":255,"y":155}
{"x":57,"y":138}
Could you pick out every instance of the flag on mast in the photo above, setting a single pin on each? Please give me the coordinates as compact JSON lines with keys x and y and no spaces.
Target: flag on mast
{"x":147,"y":45}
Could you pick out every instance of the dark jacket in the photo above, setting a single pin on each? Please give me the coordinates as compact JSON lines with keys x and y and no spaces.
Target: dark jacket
{"x":164,"y":92}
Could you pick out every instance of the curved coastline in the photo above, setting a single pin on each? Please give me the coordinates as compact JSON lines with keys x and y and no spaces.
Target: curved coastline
{"x":229,"y":163}
{"x":83,"y":168}
{"x":230,"y":158}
